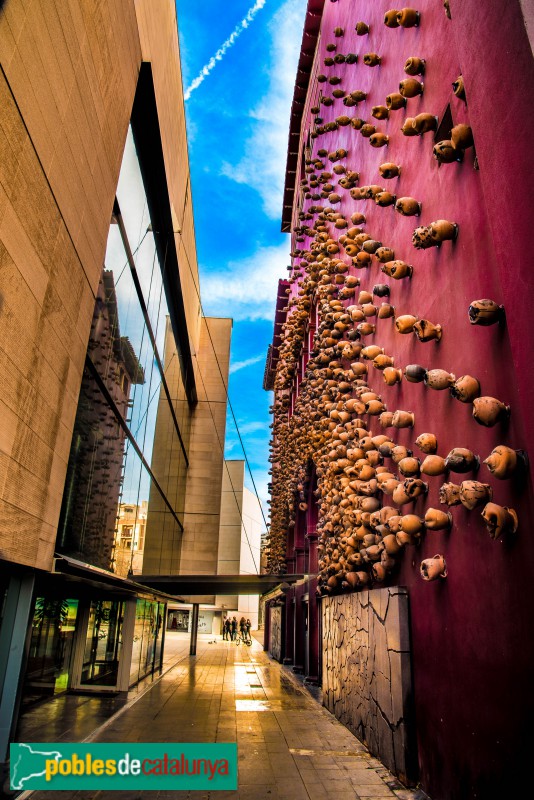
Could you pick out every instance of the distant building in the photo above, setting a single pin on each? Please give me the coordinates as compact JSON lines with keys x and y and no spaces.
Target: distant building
{"x":130,"y":538}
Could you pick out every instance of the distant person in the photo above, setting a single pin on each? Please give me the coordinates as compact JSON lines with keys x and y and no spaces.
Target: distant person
{"x":226,"y":629}
{"x":248,"y":625}
{"x":234,"y":628}
{"x":242,"y":623}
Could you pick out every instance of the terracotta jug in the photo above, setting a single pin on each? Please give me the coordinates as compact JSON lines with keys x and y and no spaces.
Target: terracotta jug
{"x":485,"y":312}
{"x":403,"y":419}
{"x":415,"y":66}
{"x":433,"y":568}
{"x":500,"y":520}
{"x":384,"y":254}
{"x":427,"y":442}
{"x":384,"y":199}
{"x":408,"y":18}
{"x":446,"y":153}
{"x":439,"y":379}
{"x":414,"y":373}
{"x":462,"y":137}
{"x":397,"y":269}
{"x":473,"y":494}
{"x":361,"y":28}
{"x":390,"y":18}
{"x":386,"y":419}
{"x":408,"y":206}
{"x":389,"y":170}
{"x":398,"y":452}
{"x":465,"y":389}
{"x":436,"y":520}
{"x":410,"y":87}
{"x":395,"y":101}
{"x":405,"y":539}
{"x":424,"y":123}
{"x":392,"y":376}
{"x":409,"y":466}
{"x":433,"y":465}
{"x":407,"y":128}
{"x":382,"y":361}
{"x":379,"y":140}
{"x":372,"y":59}
{"x":443,"y":229}
{"x":412,"y":524}
{"x":380,"y":112}
{"x":503,"y":462}
{"x":488,"y":411}
{"x":461,"y":460}
{"x":426,"y":331}
{"x":449,"y":494}
{"x":385,"y":311}
{"x":390,"y":544}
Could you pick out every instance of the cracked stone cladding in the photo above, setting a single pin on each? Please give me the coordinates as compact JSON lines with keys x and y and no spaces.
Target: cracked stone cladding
{"x":275,"y":641}
{"x":367,"y":672}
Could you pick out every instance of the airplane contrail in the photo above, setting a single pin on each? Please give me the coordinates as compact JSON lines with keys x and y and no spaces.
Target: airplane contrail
{"x":205,"y":71}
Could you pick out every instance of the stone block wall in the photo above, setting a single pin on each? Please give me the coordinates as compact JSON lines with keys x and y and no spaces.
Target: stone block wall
{"x":367,"y":682}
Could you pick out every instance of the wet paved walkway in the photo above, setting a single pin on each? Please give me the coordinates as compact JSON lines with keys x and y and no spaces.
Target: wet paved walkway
{"x":289,"y":747}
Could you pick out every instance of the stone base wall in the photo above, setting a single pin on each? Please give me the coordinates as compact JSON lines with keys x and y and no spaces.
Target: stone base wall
{"x":367,"y":682}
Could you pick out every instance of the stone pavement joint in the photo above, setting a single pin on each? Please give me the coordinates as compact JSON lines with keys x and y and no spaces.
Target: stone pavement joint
{"x":289,"y":746}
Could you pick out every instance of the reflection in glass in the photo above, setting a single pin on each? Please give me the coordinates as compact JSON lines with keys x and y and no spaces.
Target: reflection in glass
{"x":103,"y":643}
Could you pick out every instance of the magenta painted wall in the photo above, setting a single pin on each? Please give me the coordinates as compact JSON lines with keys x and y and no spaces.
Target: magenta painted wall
{"x":473,"y":648}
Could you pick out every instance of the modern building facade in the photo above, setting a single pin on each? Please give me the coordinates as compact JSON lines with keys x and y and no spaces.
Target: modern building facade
{"x":401,"y":365}
{"x":114,"y":383}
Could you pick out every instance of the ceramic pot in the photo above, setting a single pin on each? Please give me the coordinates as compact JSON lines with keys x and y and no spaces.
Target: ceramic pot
{"x":390,"y":486}
{"x":374,"y":407}
{"x":473,"y":494}
{"x":380,"y":112}
{"x":385,"y":199}
{"x":424,"y":123}
{"x":411,"y":87}
{"x":405,"y":323}
{"x":461,"y":460}
{"x":427,"y":442}
{"x":365,"y":328}
{"x":408,"y":18}
{"x":408,"y":206}
{"x":386,"y":419}
{"x":426,"y":331}
{"x":403,"y":419}
{"x":414,"y":373}
{"x":392,"y":376}
{"x":436,"y":520}
{"x":390,"y":544}
{"x":409,"y":466}
{"x":395,"y":101}
{"x":439,"y":379}
{"x":379,"y":572}
{"x":397,"y":269}
{"x":363,"y":259}
{"x":465,"y":389}
{"x":361,"y":28}
{"x":384,"y":254}
{"x":449,"y":494}
{"x":412,"y":524}
{"x":389,"y":170}
{"x":371,"y":60}
{"x":458,"y":88}
{"x":442,"y":229}
{"x":408,"y":128}
{"x":382,"y":361}
{"x":387,"y":561}
{"x":385,"y":311}
{"x":485,"y":312}
{"x":462,"y":137}
{"x":398,"y":452}
{"x":433,"y":465}
{"x":371,"y":352}
{"x":371,"y":246}
{"x":503,"y":462}
{"x":446,"y":153}
{"x":415,"y":66}
{"x":367,"y":130}
{"x":365,"y":297}
{"x":488,"y":411}
{"x":379,"y":140}
{"x":390,"y":18}
{"x":433,"y":568}
{"x":500,"y":520}
{"x":357,"y":219}
{"x":405,"y":539}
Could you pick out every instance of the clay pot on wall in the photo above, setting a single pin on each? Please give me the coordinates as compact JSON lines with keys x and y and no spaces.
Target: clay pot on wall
{"x":503,"y":462}
{"x":458,"y":88}
{"x":433,"y":465}
{"x":389,"y":170}
{"x":386,"y":311}
{"x":384,"y":254}
{"x":465,"y":389}
{"x":379,"y":140}
{"x":361,"y":28}
{"x":384,"y":199}
{"x":380,"y":112}
{"x":474,"y":493}
{"x":372,"y":60}
{"x":488,"y":411}
{"x":443,"y":229}
{"x":397,"y":269}
{"x":433,"y":568}
{"x":449,"y":494}
{"x":446,"y":153}
{"x":485,"y":312}
{"x":414,"y":373}
{"x":462,"y":137}
{"x":411,"y":87}
{"x":408,"y":206}
{"x":390,"y":18}
{"x":439,"y":379}
{"x":424,"y":123}
{"x":408,"y":128}
{"x":403,"y":419}
{"x":427,"y":443}
{"x":426,"y":331}
{"x":461,"y":460}
{"x":412,"y":524}
{"x":436,"y":520}
{"x":408,"y":18}
{"x":392,"y":376}
{"x":405,"y":324}
{"x":500,"y":520}
{"x":395,"y":101}
{"x":415,"y":66}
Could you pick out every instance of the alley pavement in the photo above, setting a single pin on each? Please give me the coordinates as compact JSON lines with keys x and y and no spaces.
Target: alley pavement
{"x":289,"y":746}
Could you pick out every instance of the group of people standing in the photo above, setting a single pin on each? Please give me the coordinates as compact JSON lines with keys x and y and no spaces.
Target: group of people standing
{"x":230,"y":628}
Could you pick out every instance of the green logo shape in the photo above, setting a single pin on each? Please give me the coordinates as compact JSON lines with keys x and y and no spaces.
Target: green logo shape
{"x":163,"y":765}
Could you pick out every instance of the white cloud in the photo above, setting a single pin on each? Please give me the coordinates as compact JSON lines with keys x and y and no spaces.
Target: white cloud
{"x":219,"y":55}
{"x":248,"y":362}
{"x":247,"y":288}
{"x":265,"y":152}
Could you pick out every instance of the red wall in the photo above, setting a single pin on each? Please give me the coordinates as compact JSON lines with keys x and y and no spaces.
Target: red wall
{"x":473,"y":648}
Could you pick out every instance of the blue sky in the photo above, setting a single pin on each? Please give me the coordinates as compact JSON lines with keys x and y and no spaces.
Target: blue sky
{"x":238,"y":123}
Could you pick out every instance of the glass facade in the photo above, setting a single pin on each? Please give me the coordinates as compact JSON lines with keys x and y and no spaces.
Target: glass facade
{"x":147,"y":641}
{"x":132,"y":369}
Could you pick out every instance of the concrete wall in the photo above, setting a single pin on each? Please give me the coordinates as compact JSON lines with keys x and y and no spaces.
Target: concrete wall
{"x":471,"y":629}
{"x":366,"y":676}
